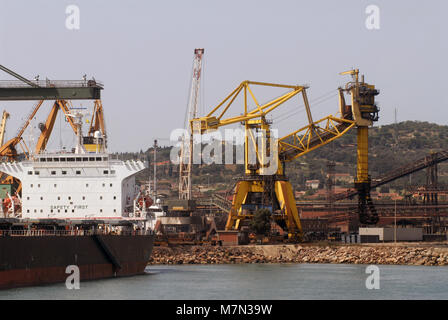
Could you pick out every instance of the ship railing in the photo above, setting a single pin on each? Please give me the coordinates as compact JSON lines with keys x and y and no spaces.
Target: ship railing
{"x":52,"y":83}
{"x":37,"y":233}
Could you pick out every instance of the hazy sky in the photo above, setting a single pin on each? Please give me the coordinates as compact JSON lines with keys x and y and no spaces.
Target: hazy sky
{"x":143,"y":51}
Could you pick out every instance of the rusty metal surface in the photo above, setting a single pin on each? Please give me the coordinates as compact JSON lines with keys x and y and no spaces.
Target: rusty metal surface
{"x":39,"y":260}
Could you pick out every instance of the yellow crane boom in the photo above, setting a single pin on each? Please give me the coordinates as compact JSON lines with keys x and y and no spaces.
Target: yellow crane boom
{"x":8,"y":149}
{"x":47,"y":128}
{"x":5,"y":117}
{"x":97,"y":122}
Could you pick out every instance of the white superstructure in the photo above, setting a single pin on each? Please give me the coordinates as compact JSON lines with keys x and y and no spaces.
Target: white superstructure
{"x":76,"y":186}
{"x":154,"y":212}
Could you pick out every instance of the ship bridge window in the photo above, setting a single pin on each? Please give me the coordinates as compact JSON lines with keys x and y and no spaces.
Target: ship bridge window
{"x":62,"y":159}
{"x":78,"y":172}
{"x":91,"y":159}
{"x":112,"y":171}
{"x":56,"y":159}
{"x":49,"y":159}
{"x":30,"y":172}
{"x":64,"y":172}
{"x":98,"y":159}
{"x":36,"y":172}
{"x":85,"y":159}
{"x":70,"y":159}
{"x":105,"y":159}
{"x":53,"y":172}
{"x":106,"y":171}
{"x":43,"y":159}
{"x":78,"y":159}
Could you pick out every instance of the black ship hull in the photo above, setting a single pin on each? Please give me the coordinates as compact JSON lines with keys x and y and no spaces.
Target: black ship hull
{"x":36,"y":260}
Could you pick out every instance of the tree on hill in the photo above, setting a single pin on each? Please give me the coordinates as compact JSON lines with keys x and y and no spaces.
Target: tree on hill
{"x":261,"y":222}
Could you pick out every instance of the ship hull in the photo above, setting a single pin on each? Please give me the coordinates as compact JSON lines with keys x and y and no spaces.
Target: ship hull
{"x":37,"y":260}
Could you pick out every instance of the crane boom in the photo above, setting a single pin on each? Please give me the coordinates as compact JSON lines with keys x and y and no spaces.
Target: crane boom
{"x":5,"y":117}
{"x":97,"y":122}
{"x":312,"y":136}
{"x":47,"y":128}
{"x":9,"y":148}
{"x":186,"y":152}
{"x":18,"y":76}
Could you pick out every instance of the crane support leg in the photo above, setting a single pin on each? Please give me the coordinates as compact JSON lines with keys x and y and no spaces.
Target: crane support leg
{"x":285,"y":196}
{"x":362,"y":174}
{"x":241,"y":192}
{"x":366,"y":209}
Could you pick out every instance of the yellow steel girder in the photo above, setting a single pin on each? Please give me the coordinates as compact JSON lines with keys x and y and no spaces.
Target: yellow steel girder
{"x":213,"y":120}
{"x":312,"y":136}
{"x":49,"y":124}
{"x":285,"y":197}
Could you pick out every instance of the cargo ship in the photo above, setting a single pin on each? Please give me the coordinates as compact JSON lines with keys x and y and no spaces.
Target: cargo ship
{"x":80,"y":208}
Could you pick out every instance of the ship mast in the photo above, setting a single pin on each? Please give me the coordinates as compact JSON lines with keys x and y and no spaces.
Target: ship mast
{"x":155,"y":171}
{"x":78,"y":123}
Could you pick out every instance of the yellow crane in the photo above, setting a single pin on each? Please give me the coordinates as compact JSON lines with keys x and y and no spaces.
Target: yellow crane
{"x":97,"y":124}
{"x":5,"y":117}
{"x":261,"y":188}
{"x":47,"y":128}
{"x":8,"y":150}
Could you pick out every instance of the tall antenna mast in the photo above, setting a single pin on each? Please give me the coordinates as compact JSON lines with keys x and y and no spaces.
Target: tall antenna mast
{"x":186,"y":153}
{"x":155,"y":171}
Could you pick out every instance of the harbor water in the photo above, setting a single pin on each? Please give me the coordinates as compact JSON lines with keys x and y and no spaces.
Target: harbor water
{"x":255,"y":281}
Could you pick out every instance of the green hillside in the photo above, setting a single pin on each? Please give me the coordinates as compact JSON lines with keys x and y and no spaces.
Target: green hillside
{"x":390,"y":147}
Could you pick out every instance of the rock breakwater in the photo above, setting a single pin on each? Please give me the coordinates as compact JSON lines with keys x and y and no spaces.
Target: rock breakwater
{"x":355,"y":254}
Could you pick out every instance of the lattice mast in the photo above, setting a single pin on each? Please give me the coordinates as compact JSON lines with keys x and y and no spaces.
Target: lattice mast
{"x":186,"y":153}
